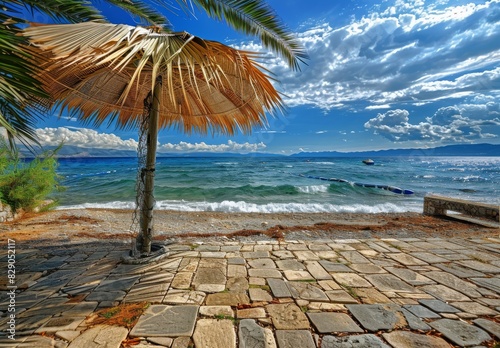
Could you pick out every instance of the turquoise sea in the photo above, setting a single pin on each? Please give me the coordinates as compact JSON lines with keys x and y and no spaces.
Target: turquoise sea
{"x":281,"y":184}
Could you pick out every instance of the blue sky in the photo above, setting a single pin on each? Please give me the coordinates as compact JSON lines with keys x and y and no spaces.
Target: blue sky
{"x":381,"y":74}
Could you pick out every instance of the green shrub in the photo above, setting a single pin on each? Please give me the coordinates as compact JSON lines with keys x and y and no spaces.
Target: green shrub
{"x":25,"y":184}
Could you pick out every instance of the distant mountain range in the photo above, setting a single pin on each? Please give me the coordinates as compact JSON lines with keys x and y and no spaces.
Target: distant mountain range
{"x":449,"y":150}
{"x":69,"y":151}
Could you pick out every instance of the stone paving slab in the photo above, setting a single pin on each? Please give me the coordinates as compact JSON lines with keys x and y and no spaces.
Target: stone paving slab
{"x":455,"y":283}
{"x":211,"y":333}
{"x":287,"y":317}
{"x":421,"y":311}
{"x":294,"y":339}
{"x":488,"y":325}
{"x":414,"y":322}
{"x":439,"y":306}
{"x":271,"y":294}
{"x":445,"y":293}
{"x":378,"y":317}
{"x":307,"y":291}
{"x":409,"y":276}
{"x":389,"y":282}
{"x":100,"y":336}
{"x":171,"y":321}
{"x":357,"y":341}
{"x":251,"y":335}
{"x":333,"y":322}
{"x":60,"y":324}
{"x":405,"y":339}
{"x":279,"y":288}
{"x":460,"y":333}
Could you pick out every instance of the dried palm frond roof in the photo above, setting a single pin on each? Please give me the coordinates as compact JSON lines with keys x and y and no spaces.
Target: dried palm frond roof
{"x":104,"y":72}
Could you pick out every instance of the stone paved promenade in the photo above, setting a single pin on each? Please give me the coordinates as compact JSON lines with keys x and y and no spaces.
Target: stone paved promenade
{"x":327,"y":293}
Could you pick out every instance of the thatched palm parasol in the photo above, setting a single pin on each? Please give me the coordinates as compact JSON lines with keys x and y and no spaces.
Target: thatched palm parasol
{"x":107,"y":72}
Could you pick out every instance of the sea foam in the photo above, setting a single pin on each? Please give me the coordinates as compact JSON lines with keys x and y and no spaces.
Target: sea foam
{"x":312,"y":189}
{"x":245,"y":207}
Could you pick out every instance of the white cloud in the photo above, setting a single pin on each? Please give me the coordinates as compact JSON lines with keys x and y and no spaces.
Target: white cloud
{"x":271,"y":132}
{"x":69,"y":118}
{"x":380,"y":106}
{"x":231,"y":146}
{"x":463,"y":86}
{"x":83,"y":137}
{"x":448,"y":124}
{"x":89,"y":138}
{"x":413,"y":52}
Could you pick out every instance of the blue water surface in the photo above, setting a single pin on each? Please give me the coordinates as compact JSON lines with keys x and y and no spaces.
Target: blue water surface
{"x":280,"y":184}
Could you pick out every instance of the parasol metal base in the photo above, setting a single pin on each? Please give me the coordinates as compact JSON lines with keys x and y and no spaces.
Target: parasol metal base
{"x":158,"y":252}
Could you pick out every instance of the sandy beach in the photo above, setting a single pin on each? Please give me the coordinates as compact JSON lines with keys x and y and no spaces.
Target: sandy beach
{"x":67,"y":226}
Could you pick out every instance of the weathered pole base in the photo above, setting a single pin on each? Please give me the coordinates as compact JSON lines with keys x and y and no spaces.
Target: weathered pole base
{"x":158,"y":252}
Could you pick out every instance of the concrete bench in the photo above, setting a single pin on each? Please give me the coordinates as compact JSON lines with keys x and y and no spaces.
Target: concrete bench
{"x":438,"y":205}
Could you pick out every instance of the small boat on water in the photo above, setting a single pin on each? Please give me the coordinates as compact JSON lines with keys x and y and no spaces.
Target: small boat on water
{"x":369,"y":162}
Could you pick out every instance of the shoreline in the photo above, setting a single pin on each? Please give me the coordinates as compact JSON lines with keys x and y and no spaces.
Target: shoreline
{"x":83,"y":225}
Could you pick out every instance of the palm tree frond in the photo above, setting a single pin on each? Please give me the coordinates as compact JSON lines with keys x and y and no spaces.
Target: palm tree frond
{"x":255,"y":17}
{"x":18,"y":123}
{"x":63,"y":10}
{"x":18,"y":86}
{"x":140,"y":9}
{"x":75,"y":11}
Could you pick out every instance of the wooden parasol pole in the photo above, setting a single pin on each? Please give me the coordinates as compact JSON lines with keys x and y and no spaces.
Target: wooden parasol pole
{"x":146,"y":214}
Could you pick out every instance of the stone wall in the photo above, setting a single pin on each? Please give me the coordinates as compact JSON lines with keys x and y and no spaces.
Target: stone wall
{"x":437,"y":205}
{"x":6,"y":213}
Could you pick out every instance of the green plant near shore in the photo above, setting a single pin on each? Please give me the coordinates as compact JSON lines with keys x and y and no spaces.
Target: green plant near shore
{"x":25,"y":184}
